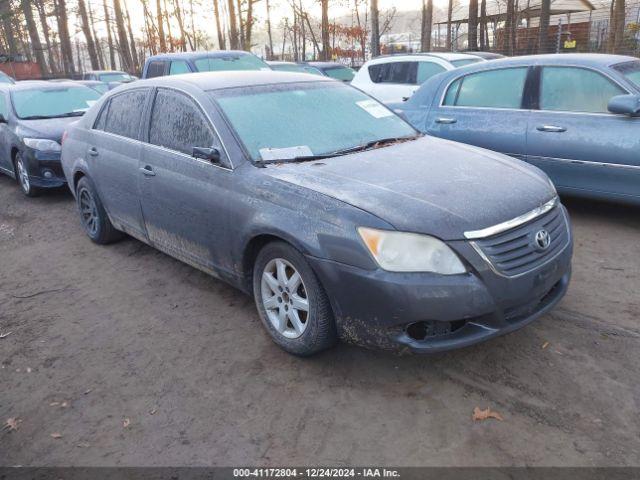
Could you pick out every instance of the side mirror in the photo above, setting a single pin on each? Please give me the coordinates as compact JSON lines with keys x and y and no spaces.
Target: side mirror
{"x":210,"y":154}
{"x":3,"y":119}
{"x":625,"y":104}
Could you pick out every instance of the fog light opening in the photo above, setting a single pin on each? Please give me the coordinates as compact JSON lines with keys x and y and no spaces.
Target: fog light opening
{"x":422,"y":330}
{"x":418,"y":330}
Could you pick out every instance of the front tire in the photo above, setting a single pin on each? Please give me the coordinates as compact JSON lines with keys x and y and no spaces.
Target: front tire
{"x":93,"y":216}
{"x":291,"y":302}
{"x":22,"y":177}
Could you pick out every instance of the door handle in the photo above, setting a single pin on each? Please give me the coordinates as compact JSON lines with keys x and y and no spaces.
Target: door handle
{"x":148,"y":171}
{"x":93,"y":151}
{"x":551,"y":128}
{"x":446,"y":120}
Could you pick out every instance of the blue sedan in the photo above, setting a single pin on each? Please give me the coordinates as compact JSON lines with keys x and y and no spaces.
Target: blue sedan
{"x":575,"y":116}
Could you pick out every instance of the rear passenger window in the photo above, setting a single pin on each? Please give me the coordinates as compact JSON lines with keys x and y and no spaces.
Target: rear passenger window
{"x":125,"y":112}
{"x":490,"y":89}
{"x":155,"y":69}
{"x":394,"y":72}
{"x":177,"y":123}
{"x":178,"y":67}
{"x":102,"y":117}
{"x":426,"y":70}
{"x":571,"y":89}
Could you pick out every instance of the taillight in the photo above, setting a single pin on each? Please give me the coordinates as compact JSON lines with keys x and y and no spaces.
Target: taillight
{"x":64,"y":137}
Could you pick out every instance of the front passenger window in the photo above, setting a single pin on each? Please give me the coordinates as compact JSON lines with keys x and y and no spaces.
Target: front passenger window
{"x":490,"y":89}
{"x":177,"y":123}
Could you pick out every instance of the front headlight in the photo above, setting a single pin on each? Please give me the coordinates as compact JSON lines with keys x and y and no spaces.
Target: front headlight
{"x":42,"y":144}
{"x":410,"y":252}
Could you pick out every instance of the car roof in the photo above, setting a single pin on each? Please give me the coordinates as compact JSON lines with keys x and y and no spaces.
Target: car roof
{"x":450,"y":56}
{"x":325,"y":64}
{"x":101,"y":72}
{"x":40,"y":84}
{"x":585,"y":59}
{"x":231,"y":79}
{"x":204,"y":54}
{"x":273,"y":62}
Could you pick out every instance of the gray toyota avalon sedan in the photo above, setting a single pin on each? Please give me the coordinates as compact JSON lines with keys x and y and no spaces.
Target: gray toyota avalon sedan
{"x":341,"y":219}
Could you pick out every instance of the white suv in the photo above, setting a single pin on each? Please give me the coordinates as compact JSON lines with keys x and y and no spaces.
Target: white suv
{"x":394,"y":78}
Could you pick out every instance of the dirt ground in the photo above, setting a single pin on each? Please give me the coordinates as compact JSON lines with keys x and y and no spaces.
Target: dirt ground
{"x":103,"y":337}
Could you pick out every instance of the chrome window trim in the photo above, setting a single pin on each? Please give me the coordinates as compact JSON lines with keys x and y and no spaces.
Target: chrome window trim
{"x":513,"y":223}
{"x":587,"y":162}
{"x":189,"y":157}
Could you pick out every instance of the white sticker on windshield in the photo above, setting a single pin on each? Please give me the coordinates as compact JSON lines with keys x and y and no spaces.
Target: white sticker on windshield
{"x":374,"y":109}
{"x":286,"y":153}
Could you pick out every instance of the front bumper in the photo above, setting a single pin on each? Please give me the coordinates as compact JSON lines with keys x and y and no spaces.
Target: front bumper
{"x":44,"y":168}
{"x":429,"y":313}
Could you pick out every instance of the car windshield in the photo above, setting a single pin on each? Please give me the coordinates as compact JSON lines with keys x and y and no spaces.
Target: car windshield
{"x":101,"y":88}
{"x":465,"y":61}
{"x":230,"y":62}
{"x":114,"y":77}
{"x":289,"y":67}
{"x":631,"y":70}
{"x":36,"y":103}
{"x":345,"y":74}
{"x":302,"y":120}
{"x":5,"y":78}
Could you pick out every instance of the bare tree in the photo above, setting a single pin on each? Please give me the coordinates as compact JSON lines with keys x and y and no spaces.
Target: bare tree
{"x":472,"y":35}
{"x":161,"y":39}
{"x":484,"y":39}
{"x":375,"y":29}
{"x":233,"y":28}
{"x":88,"y":34}
{"x":509,"y":27}
{"x":123,"y":41}
{"x":449,"y":19}
{"x":216,"y":11}
{"x":107,"y":21}
{"x":34,"y":36}
{"x":65,"y":40}
{"x":617,"y":24}
{"x":96,"y":40}
{"x":268,"y":7}
{"x":326,"y":46}
{"x":47,"y":36}
{"x":543,"y":31}
{"x":183,"y":35}
{"x":427,"y":25}
{"x":7,"y":15}
{"x":132,"y":41}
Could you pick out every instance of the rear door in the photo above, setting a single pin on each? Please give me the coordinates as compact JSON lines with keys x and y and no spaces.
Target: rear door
{"x":393,"y":81}
{"x":113,"y":155}
{"x":485,"y":109}
{"x":576,"y":141}
{"x":184,"y":199}
{"x":6,"y":136}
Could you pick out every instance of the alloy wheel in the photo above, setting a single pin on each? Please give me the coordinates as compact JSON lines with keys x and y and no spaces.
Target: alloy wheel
{"x":284,"y":298}
{"x":23,"y":175}
{"x":88,"y":211}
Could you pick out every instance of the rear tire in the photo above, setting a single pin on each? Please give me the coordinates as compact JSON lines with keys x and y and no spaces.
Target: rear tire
{"x":22,"y":177}
{"x":293,"y":306}
{"x":93,"y":216}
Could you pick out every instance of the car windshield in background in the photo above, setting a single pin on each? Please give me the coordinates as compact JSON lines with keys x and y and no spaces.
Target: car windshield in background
{"x":631,"y":70}
{"x":40,"y":103}
{"x":465,"y":61}
{"x":345,"y":74}
{"x":230,"y":62}
{"x":115,"y":77}
{"x":300,"y":120}
{"x":289,"y":67}
{"x":5,"y":78}
{"x":101,"y":88}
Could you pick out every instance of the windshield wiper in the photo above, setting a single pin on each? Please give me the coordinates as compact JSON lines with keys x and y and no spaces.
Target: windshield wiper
{"x":346,"y":151}
{"x":45,"y":117}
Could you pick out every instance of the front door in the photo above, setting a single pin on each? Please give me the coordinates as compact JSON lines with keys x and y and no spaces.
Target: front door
{"x":484,"y":109}
{"x":184,"y":199}
{"x":576,"y":141}
{"x":114,"y":150}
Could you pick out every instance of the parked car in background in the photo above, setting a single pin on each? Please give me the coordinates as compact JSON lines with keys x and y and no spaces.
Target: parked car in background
{"x":484,"y":55}
{"x":294,"y":67}
{"x":109,"y":76}
{"x":575,"y":116}
{"x":98,"y":86}
{"x":394,"y":78}
{"x":340,"y":218}
{"x":33,"y":116}
{"x":4,"y":78}
{"x":333,"y":70}
{"x":189,"y":62}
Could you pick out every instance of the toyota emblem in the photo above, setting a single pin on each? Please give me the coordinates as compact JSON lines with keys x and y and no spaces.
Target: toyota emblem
{"x":542,"y":240}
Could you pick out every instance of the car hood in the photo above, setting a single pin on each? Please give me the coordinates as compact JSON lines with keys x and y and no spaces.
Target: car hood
{"x":431,"y":186}
{"x":51,"y":128}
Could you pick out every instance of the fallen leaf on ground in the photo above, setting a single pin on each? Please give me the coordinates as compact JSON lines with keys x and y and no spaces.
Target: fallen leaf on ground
{"x":56,"y":435}
{"x":64,"y":404}
{"x":153,"y":411}
{"x":485,"y":414}
{"x":12,"y":423}
{"x":54,"y":404}
{"x":87,"y":392}
{"x":545,"y":345}
{"x":126,"y":422}
{"x":83,"y":445}
{"x":5,"y":335}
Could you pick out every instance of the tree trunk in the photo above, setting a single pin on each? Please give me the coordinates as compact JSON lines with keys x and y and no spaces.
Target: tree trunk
{"x":270,"y":56}
{"x":216,"y":11}
{"x":484,"y":44}
{"x":96,"y":40}
{"x":543,"y":33}
{"x":508,"y":28}
{"x":65,"y":39}
{"x":86,"y":29}
{"x":427,"y":25}
{"x":326,"y":45}
{"x":472,"y":36}
{"x":375,"y":29}
{"x":132,"y":41}
{"x":249,"y":25}
{"x":167,"y":19}
{"x":122,"y":37}
{"x":7,"y":15}
{"x":618,"y":25}
{"x":449,"y":30}
{"x":112,"y":50}
{"x":34,"y":36}
{"x":161,"y":39}
{"x":45,"y":31}
{"x":233,"y":29}
{"x":241,"y":39}
{"x":183,"y":35}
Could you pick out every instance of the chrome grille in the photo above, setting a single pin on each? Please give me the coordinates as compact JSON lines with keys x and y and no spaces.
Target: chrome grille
{"x":514,"y":252}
